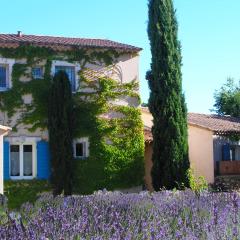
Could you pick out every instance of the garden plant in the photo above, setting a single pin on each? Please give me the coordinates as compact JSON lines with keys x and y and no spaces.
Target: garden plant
{"x":113,"y":215}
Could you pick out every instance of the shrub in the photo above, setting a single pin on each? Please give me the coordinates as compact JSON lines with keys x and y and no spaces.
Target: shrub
{"x":197,"y":184}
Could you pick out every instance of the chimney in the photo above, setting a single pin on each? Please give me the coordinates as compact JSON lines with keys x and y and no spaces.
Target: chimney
{"x":19,"y":34}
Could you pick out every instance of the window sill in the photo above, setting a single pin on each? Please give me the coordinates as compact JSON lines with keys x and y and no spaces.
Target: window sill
{"x":80,"y":158}
{"x":4,"y":89}
{"x":21,"y":178}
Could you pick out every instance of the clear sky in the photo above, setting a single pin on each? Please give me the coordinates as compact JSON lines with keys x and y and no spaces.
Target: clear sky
{"x":208,"y":29}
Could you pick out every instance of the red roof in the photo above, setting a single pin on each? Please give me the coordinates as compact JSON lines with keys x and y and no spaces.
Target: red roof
{"x":216,"y":123}
{"x":220,"y":125}
{"x":62,"y":43}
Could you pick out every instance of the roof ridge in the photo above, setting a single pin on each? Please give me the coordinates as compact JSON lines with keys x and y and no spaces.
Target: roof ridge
{"x":63,"y":40}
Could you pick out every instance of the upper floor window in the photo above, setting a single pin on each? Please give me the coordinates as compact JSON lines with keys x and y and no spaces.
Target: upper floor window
{"x":70,"y":71}
{"x":37,"y":72}
{"x":6,"y":65}
{"x":3,"y":77}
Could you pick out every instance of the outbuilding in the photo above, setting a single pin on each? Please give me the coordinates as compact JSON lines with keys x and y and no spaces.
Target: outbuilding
{"x":214,"y":148}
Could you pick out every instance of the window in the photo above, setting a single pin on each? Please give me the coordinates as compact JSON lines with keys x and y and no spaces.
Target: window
{"x":21,"y":160}
{"x":22,"y":157}
{"x":70,"y":71}
{"x":6,"y":65}
{"x":81,"y":148}
{"x":37,"y":72}
{"x":3,"y":77}
{"x":27,"y":160}
{"x":15,"y":160}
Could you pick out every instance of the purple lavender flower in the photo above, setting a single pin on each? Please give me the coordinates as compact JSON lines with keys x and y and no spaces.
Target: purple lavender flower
{"x":112,"y":215}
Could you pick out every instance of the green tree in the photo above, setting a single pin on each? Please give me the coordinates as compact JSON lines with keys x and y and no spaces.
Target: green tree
{"x":166,"y":102}
{"x":227,"y":99}
{"x":60,"y":127}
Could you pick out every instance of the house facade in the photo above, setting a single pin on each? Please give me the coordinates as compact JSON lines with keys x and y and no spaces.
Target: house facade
{"x":212,"y":150}
{"x":104,"y":77}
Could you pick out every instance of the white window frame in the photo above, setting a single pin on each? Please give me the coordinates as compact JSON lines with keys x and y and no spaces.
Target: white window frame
{"x":67,"y":64}
{"x":81,"y":140}
{"x":21,"y":141}
{"x":8,"y":62}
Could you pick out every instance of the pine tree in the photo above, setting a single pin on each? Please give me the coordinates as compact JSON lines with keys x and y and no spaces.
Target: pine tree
{"x":60,"y":127}
{"x":166,"y":102}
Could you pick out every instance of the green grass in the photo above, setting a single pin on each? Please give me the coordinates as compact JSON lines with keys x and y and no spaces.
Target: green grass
{"x":19,"y":192}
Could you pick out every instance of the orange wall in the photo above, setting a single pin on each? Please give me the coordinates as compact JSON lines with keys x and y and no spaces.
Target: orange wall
{"x":148,"y":166}
{"x":200,"y":143}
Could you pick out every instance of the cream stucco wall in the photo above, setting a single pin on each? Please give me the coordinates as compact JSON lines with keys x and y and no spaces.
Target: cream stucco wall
{"x":200,"y":143}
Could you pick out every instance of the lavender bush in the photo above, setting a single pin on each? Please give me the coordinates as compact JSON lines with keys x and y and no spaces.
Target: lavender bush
{"x":112,"y":215}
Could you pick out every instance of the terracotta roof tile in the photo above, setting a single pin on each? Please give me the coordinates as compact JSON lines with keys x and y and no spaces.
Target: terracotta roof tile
{"x":14,"y":40}
{"x":222,"y":125}
{"x":216,"y":123}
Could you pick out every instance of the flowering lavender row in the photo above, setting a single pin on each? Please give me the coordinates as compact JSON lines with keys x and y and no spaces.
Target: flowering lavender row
{"x":112,"y":215}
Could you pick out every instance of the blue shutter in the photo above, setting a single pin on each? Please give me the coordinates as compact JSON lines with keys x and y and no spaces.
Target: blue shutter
{"x":6,"y":171}
{"x":43,"y":160}
{"x":226,"y":152}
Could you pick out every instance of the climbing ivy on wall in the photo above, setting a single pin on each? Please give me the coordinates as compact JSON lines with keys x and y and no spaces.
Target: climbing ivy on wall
{"x":116,"y":143}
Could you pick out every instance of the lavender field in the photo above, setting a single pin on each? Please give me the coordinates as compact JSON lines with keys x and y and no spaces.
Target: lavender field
{"x":112,"y":215}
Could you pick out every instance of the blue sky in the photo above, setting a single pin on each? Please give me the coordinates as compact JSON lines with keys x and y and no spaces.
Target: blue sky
{"x":208,"y":31}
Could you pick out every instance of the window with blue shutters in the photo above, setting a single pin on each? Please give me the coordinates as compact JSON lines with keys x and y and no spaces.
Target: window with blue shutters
{"x":226,"y":152}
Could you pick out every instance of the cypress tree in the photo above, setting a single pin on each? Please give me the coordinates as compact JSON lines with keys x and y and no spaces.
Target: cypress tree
{"x":166,"y":102}
{"x":60,"y":127}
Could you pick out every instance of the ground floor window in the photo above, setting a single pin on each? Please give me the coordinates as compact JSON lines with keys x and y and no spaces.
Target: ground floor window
{"x":21,"y":160}
{"x":22,"y":157}
{"x":81,"y":148}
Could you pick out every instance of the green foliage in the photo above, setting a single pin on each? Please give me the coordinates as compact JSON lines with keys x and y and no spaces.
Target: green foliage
{"x":19,"y":192}
{"x":35,"y":114}
{"x":166,"y":102}
{"x":227,"y":99}
{"x":120,"y":163}
{"x":60,"y":129}
{"x":197,"y":184}
{"x":115,"y":165}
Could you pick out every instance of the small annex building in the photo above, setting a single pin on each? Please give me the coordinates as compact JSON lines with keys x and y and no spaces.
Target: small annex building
{"x":212,"y":148}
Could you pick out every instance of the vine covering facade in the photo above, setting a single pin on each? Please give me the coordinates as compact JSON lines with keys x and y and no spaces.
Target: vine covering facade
{"x":108,"y":124}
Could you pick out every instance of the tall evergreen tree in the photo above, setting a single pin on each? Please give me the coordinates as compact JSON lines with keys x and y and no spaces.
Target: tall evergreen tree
{"x":60,"y":127}
{"x":166,"y":102}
